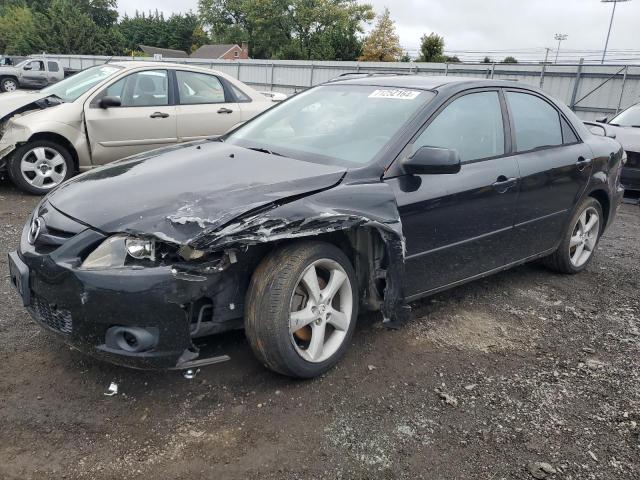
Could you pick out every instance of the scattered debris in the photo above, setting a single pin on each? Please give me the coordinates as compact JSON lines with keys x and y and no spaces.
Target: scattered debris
{"x":540,"y":470}
{"x":593,"y":455}
{"x":112,"y":390}
{"x":372,"y":367}
{"x":190,"y":373}
{"x":448,"y":399}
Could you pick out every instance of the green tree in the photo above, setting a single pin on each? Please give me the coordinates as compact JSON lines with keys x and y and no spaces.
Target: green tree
{"x":19,"y":34}
{"x":69,"y":29}
{"x":509,"y":60}
{"x":294,"y":29}
{"x":432,"y":48}
{"x":487,"y":60}
{"x":382,"y":44}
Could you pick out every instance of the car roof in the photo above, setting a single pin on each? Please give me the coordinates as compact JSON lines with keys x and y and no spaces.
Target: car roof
{"x":423,"y":82}
{"x":154,"y":64}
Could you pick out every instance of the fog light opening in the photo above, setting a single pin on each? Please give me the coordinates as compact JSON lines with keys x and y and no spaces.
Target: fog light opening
{"x":132,"y":339}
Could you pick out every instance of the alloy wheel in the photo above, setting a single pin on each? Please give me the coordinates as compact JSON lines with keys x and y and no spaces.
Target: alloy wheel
{"x":584,"y":237}
{"x":9,"y":85}
{"x":321,"y":310}
{"x":43,"y":167}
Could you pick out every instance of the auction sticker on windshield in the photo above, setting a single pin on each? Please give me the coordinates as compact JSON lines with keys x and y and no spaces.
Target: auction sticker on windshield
{"x":397,"y":93}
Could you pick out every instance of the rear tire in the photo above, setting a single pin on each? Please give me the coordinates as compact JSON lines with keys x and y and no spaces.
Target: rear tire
{"x":38,"y":167}
{"x":294,"y":327}
{"x":578,"y":246}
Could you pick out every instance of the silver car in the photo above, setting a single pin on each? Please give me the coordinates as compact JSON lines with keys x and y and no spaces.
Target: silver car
{"x":112,"y":111}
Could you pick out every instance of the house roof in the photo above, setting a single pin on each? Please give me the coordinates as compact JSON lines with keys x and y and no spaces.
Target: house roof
{"x":213,"y":51}
{"x":165,"y":52}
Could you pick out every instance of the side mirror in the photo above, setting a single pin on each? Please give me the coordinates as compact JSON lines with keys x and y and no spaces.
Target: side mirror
{"x":109,"y":101}
{"x":27,"y":67}
{"x":432,"y":160}
{"x":602,"y":119}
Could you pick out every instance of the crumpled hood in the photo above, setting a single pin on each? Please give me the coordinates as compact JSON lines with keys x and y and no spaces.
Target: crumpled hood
{"x":629,"y":137}
{"x":175,"y":193}
{"x":12,"y":101}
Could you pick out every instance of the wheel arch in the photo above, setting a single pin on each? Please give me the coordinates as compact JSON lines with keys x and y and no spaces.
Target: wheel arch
{"x":61,"y":140}
{"x":603,"y":199}
{"x":366,"y":250}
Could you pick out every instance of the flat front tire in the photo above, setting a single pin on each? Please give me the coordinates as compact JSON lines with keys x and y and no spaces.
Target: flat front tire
{"x":578,"y":246}
{"x":302,"y":306}
{"x":39,"y":166}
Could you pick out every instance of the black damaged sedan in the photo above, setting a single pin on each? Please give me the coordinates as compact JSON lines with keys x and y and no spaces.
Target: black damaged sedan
{"x":367,"y":192}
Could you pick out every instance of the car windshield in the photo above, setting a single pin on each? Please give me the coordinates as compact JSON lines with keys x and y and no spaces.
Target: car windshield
{"x":71,"y":88}
{"x":346,"y":125}
{"x":629,"y":118}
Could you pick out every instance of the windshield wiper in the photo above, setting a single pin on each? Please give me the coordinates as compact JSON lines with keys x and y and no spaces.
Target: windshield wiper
{"x":265,"y":150}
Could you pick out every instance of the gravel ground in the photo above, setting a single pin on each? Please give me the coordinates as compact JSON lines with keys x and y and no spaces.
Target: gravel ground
{"x":526,"y":374}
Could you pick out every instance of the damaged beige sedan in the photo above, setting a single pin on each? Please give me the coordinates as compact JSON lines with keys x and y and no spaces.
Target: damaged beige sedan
{"x":112,"y":111}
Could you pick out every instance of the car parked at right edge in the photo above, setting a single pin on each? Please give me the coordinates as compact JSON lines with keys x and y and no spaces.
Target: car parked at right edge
{"x":626,"y":127}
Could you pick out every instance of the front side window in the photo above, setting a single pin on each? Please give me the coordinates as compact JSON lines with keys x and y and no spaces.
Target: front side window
{"x":142,"y":89}
{"x":196,"y":88}
{"x":346,"y":125}
{"x":472,"y":125}
{"x":73,"y":87}
{"x":536,"y":123}
{"x":35,"y":66}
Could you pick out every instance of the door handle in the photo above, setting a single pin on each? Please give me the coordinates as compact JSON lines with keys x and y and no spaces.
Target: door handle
{"x":225,"y":110}
{"x":583,"y":163}
{"x":159,"y":115}
{"x":502,"y":183}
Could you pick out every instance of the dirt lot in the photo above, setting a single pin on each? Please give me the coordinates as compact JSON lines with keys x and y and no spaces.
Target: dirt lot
{"x":523,"y":367}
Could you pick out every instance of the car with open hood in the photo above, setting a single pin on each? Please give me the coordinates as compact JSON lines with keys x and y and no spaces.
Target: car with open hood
{"x":112,"y":111}
{"x":368,"y":192}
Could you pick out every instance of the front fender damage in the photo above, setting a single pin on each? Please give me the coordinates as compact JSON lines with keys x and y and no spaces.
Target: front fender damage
{"x":345,"y":207}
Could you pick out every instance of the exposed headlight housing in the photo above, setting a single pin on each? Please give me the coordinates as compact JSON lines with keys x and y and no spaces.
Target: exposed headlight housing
{"x":141,"y":249}
{"x":113,"y":252}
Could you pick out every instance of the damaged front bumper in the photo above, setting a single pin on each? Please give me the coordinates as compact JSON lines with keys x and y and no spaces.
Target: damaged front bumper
{"x":137,"y":317}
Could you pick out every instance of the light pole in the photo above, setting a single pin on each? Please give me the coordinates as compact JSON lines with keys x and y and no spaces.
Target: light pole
{"x":613,"y":12}
{"x":560,"y":37}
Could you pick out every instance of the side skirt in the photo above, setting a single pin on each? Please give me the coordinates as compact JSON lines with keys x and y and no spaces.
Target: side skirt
{"x":480,"y":275}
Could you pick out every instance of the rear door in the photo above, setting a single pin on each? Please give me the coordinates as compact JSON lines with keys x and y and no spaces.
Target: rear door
{"x":461,"y":225}
{"x":145,"y":120}
{"x":555,"y":167}
{"x":54,"y":72}
{"x":205,"y":107}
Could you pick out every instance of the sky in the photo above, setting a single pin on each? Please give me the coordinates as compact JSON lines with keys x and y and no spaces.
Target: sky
{"x":473,"y":28}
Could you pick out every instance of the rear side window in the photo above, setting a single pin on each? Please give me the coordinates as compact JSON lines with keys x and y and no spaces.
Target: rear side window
{"x":53,"y":66}
{"x":472,"y":125}
{"x":240,"y":95}
{"x":198,"y":88}
{"x":568,"y":137}
{"x":537,"y":124}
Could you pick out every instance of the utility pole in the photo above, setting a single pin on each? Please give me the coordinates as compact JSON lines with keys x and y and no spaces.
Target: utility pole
{"x":613,"y":12}
{"x":546,"y":56}
{"x":560,"y":37}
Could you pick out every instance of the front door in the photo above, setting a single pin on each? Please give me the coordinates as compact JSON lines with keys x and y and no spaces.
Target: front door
{"x":146,"y":118}
{"x":460,"y":225}
{"x":555,"y":168}
{"x":205,"y":108}
{"x":34,"y":74}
